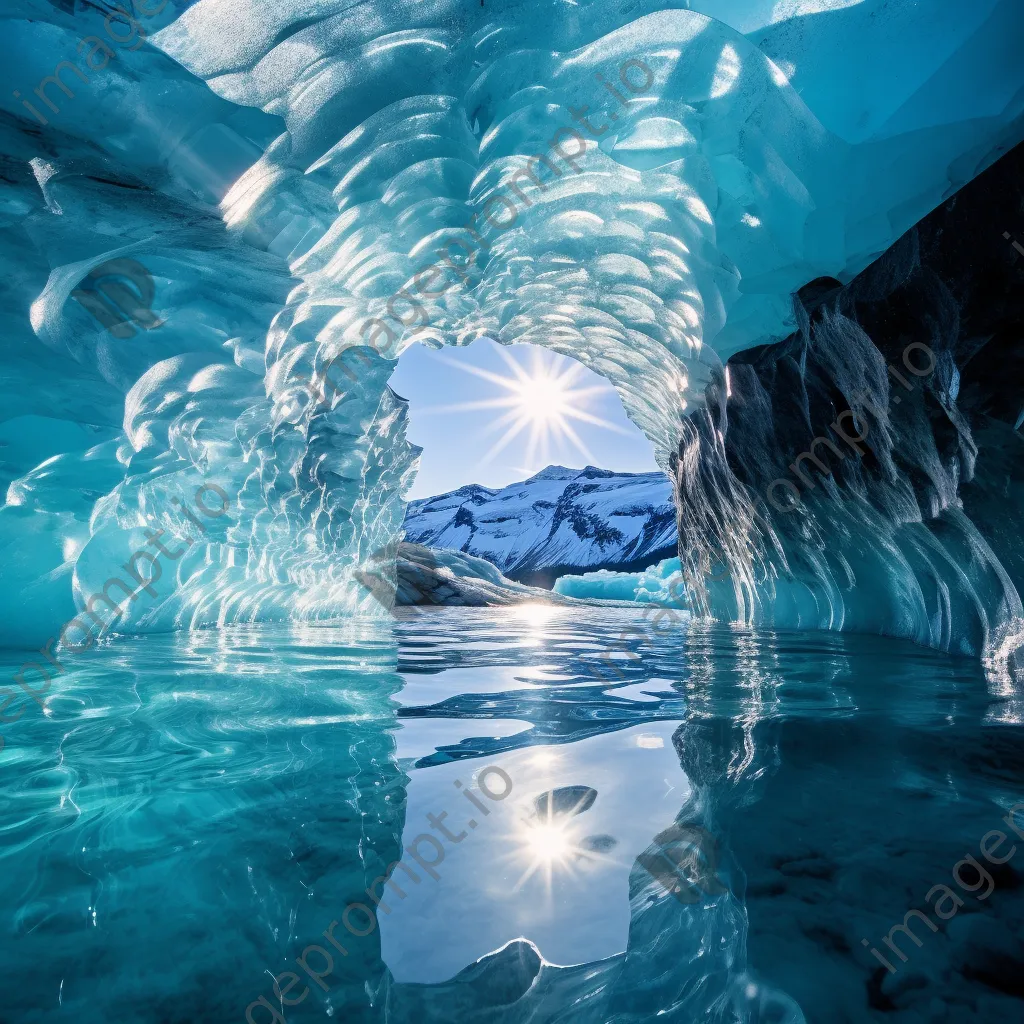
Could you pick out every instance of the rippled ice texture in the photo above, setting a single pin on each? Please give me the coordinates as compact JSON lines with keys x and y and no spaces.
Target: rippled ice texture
{"x":193,"y":811}
{"x":286,"y":171}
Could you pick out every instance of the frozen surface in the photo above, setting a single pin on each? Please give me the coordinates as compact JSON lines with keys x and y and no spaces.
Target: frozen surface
{"x":281,"y":172}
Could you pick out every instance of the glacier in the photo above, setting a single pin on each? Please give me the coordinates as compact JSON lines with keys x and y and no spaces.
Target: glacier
{"x":296,"y":192}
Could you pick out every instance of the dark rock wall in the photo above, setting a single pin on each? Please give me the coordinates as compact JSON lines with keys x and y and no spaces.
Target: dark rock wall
{"x":867,"y":472}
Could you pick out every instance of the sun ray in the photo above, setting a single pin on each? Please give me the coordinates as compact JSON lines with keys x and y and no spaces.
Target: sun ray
{"x":483,"y":403}
{"x":544,"y":440}
{"x":544,"y":394}
{"x":510,"y":417}
{"x":505,"y":440}
{"x":494,"y":378}
{"x":585,"y":392}
{"x":522,"y":376}
{"x":578,"y":414}
{"x":532,"y":445}
{"x":576,"y":440}
{"x":561,"y":438}
{"x":571,"y":372}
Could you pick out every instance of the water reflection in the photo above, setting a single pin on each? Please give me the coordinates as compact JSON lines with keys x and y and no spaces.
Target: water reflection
{"x":706,"y":834}
{"x":525,"y":874}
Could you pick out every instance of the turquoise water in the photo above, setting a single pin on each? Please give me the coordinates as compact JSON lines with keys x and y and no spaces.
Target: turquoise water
{"x":663,"y":820}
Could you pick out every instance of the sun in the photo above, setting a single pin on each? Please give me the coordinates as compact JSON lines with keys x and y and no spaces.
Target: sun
{"x":542,"y":400}
{"x":547,"y":846}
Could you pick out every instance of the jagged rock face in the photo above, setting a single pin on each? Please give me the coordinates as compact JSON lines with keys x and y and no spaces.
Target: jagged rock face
{"x":560,"y":520}
{"x":876,"y":454}
{"x":309,"y":189}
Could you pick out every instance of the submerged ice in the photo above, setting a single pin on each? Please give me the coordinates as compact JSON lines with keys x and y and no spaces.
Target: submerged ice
{"x":311,"y":187}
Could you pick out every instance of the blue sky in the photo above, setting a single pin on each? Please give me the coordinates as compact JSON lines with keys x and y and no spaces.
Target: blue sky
{"x":546,"y":397}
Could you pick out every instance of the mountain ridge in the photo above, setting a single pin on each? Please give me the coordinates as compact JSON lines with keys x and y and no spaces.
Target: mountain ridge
{"x":559,"y":520}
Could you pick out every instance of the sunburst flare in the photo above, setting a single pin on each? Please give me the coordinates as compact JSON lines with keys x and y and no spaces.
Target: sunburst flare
{"x":542,"y":400}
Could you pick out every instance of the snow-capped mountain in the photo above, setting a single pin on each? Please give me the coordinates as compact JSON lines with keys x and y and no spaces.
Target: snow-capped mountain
{"x":560,"y":520}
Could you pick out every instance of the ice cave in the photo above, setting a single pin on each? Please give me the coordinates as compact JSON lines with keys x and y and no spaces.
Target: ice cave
{"x":728,"y":741}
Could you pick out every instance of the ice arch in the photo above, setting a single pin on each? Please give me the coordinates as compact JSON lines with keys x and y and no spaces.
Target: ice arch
{"x":293,"y":175}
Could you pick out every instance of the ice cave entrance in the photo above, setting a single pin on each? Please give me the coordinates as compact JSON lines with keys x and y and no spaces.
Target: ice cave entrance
{"x":528,"y":461}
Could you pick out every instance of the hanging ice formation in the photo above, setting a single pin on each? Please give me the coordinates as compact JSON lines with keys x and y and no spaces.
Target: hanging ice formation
{"x":311,"y":185}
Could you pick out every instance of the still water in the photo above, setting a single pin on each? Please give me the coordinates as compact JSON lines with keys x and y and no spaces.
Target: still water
{"x":587,"y":816}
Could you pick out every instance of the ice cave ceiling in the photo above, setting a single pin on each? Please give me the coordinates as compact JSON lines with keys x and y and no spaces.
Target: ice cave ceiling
{"x":310,"y":186}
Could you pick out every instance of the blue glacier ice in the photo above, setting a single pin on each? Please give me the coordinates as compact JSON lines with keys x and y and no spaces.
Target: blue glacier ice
{"x":221,"y":224}
{"x":310,"y":187}
{"x":661,"y":584}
